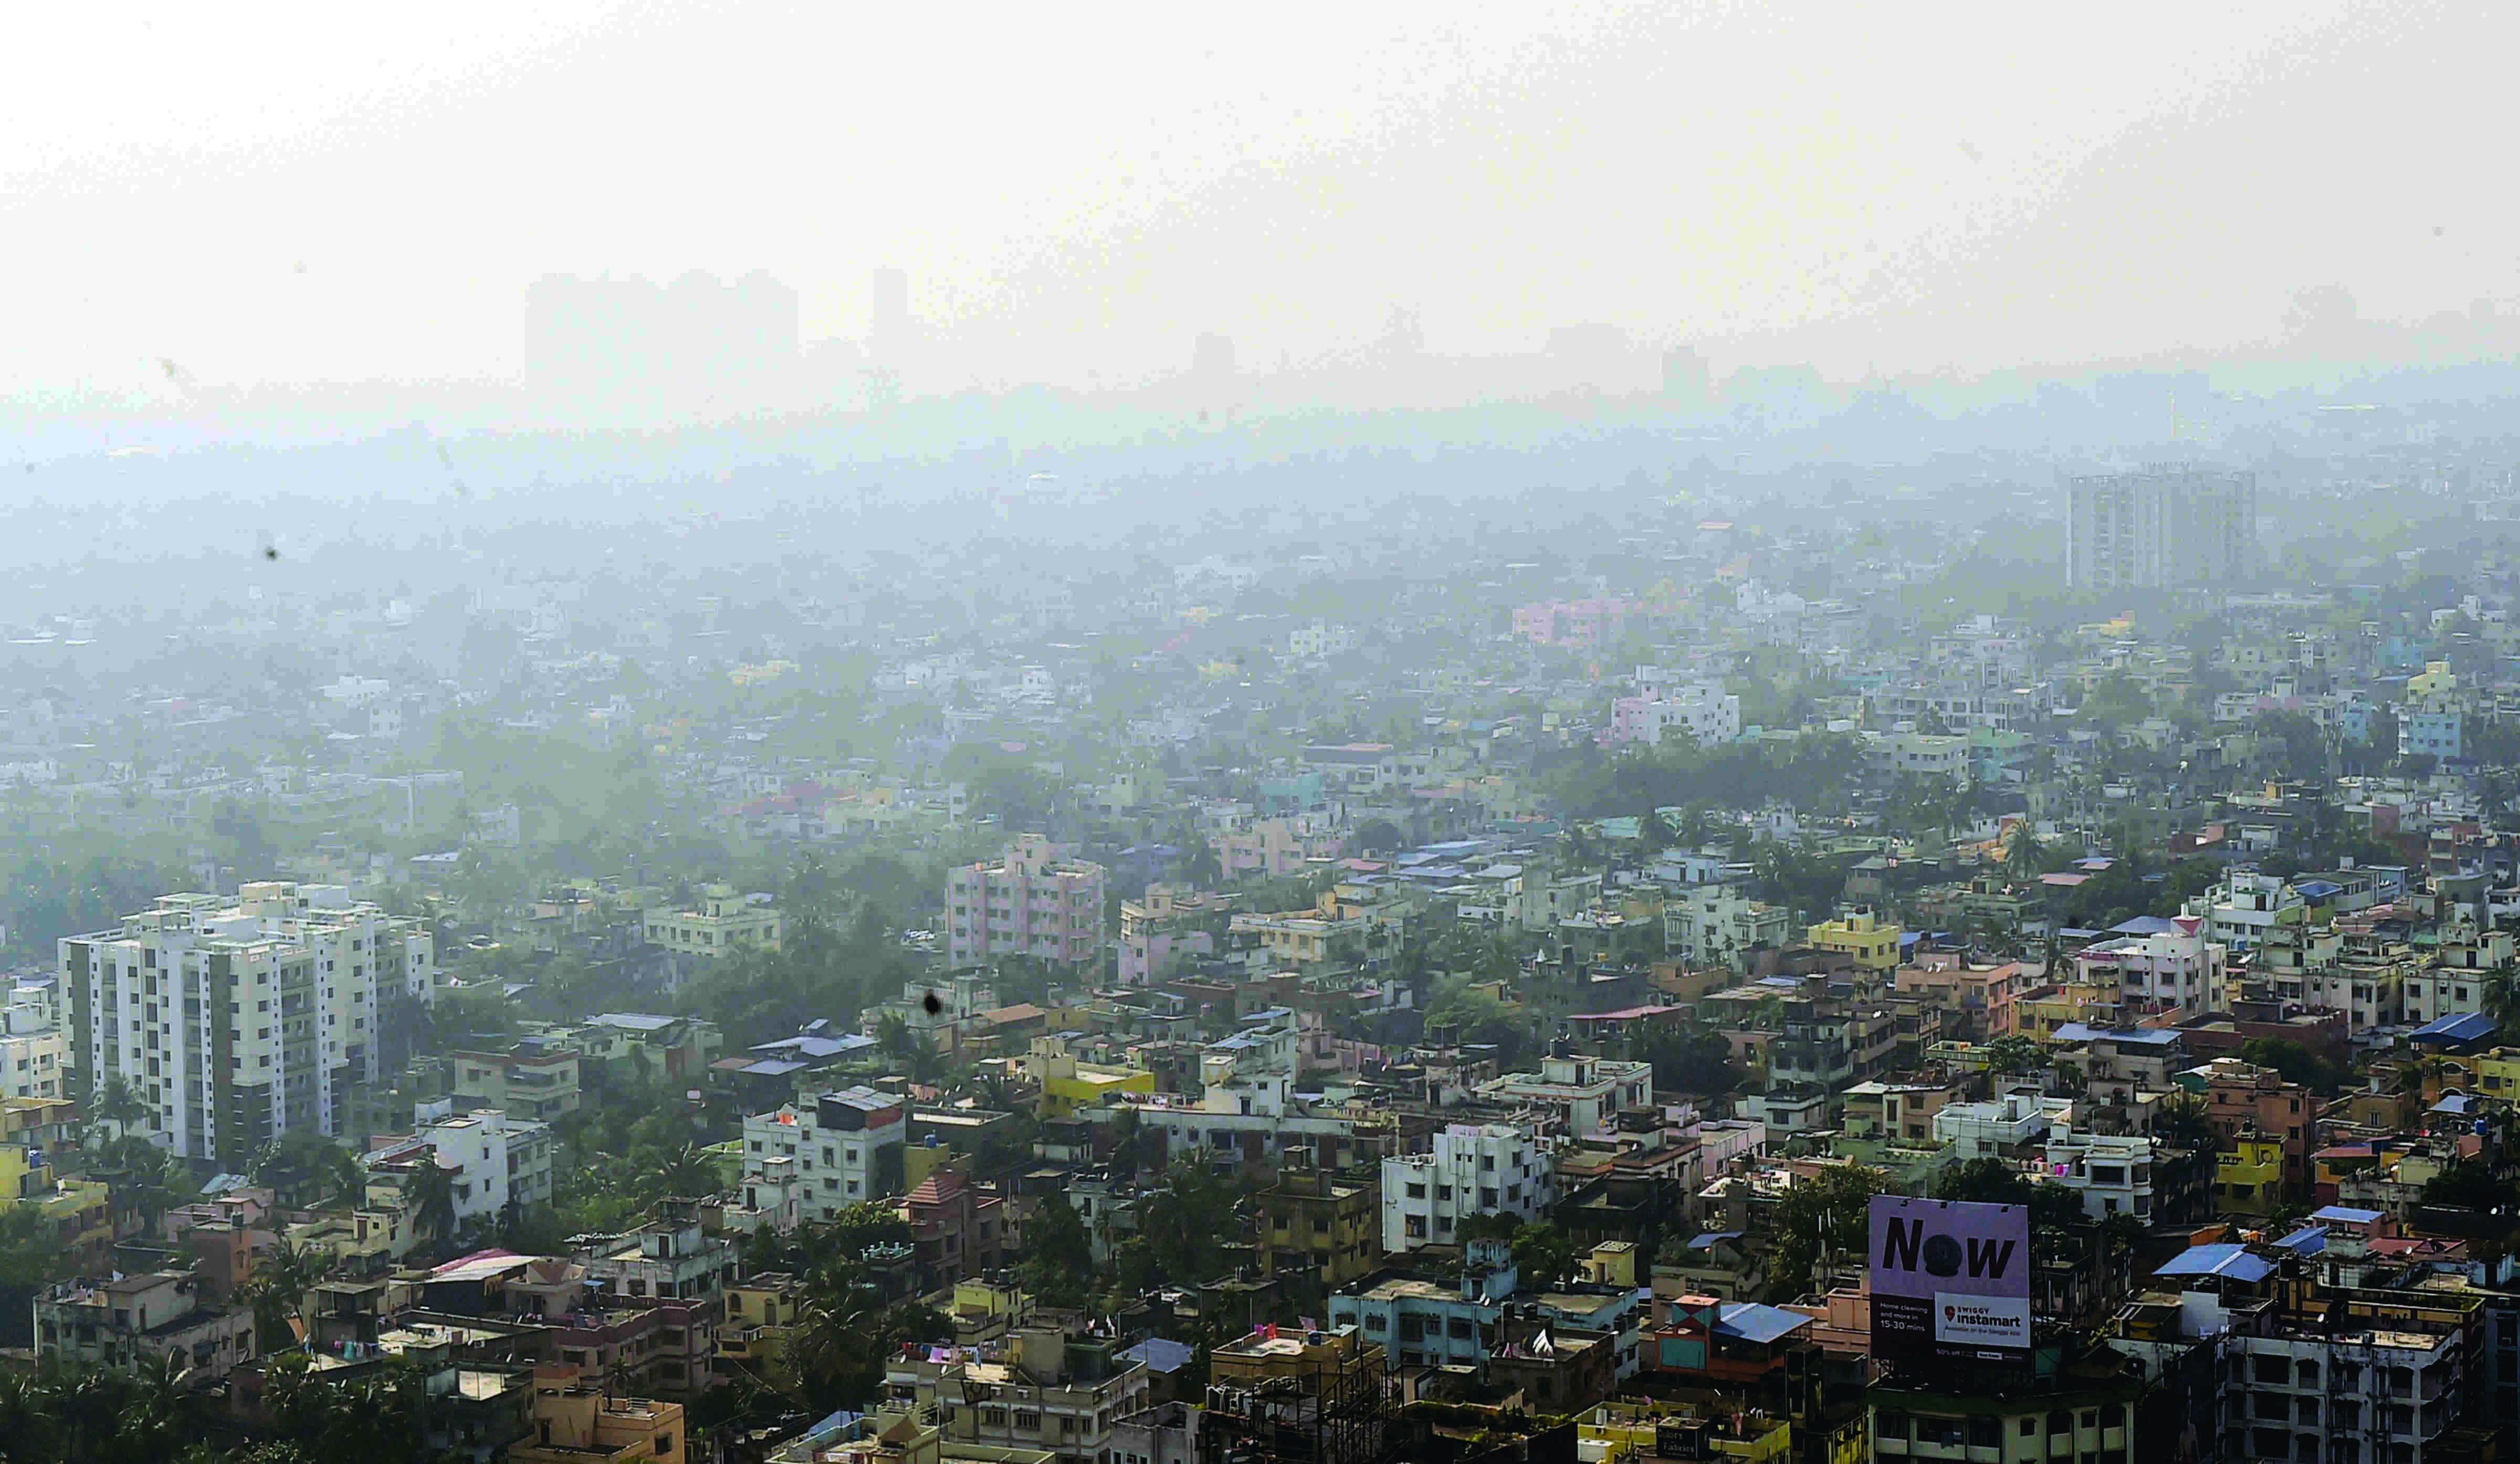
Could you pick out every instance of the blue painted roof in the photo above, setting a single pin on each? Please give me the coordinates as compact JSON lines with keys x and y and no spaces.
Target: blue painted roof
{"x":1161,"y":1354}
{"x":2345,"y":1216}
{"x":2459,"y":1027}
{"x":1754,"y":1322}
{"x":2319,"y":889}
{"x":2144,"y":926}
{"x":2223,"y":1260}
{"x":1706,"y":1242}
{"x":2455,"y":1103}
{"x":2309,"y":1240}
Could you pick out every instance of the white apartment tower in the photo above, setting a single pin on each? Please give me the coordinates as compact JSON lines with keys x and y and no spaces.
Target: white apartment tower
{"x":237,"y":1021}
{"x":2162,"y":528}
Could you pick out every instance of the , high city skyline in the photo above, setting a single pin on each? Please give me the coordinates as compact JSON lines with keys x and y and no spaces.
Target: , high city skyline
{"x":1707,"y":731}
{"x":1856,"y":189}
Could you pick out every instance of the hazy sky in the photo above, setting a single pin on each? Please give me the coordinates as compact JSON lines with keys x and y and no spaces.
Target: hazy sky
{"x":302,"y":191}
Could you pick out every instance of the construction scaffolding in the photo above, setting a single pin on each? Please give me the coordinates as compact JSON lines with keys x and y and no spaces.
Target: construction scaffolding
{"x":1337,"y":1414}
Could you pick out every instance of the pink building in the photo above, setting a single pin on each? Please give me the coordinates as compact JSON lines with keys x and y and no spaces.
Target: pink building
{"x":1036,"y":901}
{"x":1577,"y":623}
{"x":1988,"y":998}
{"x":1278,"y":846}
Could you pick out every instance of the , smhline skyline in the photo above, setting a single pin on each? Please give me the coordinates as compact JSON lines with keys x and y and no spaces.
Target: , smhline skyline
{"x":1863,"y":191}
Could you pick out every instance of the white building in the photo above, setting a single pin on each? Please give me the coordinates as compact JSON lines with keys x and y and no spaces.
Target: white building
{"x":495,"y":1160}
{"x":2431,"y":993}
{"x":2170,"y":964}
{"x":238,"y":1021}
{"x":357,"y":691}
{"x":33,"y":1064}
{"x":847,"y":1148}
{"x":2000,"y":1127}
{"x":1719,"y":926}
{"x":2161,"y":528}
{"x":1700,"y":710}
{"x":773,"y":1194}
{"x":2246,"y":907}
{"x":1920,"y":754}
{"x":2112,"y":1173}
{"x":1473,"y":1169}
{"x":1319,"y":638}
{"x":34,"y":1050}
{"x":2372,"y":995}
{"x":1586,"y":1094}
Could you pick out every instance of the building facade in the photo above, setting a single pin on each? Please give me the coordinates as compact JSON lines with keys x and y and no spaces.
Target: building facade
{"x":2161,"y":529}
{"x":497,"y":1161}
{"x":723,"y":922}
{"x":1859,"y":937}
{"x":1470,"y":1168}
{"x":1702,"y":712}
{"x":1035,"y":900}
{"x":2174,"y":967}
{"x":847,"y":1148}
{"x":237,"y":1021}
